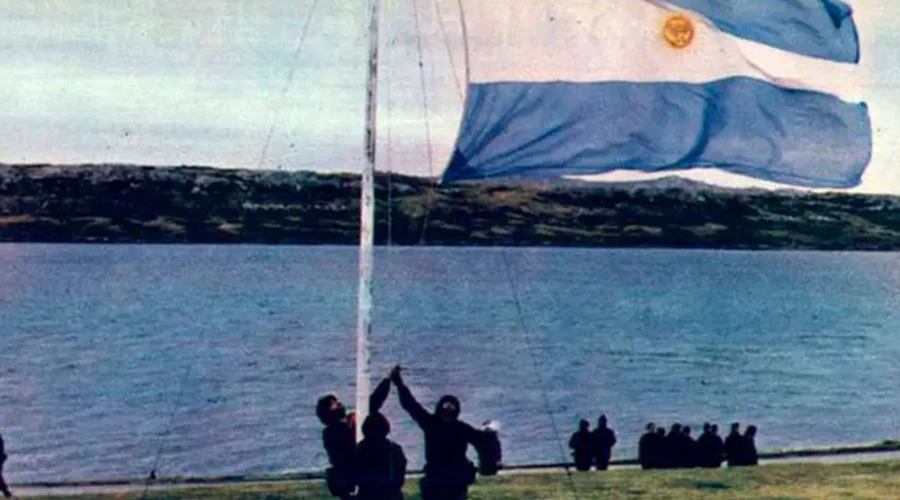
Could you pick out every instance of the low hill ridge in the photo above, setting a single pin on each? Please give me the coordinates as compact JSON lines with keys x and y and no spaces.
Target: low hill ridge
{"x":145,"y":204}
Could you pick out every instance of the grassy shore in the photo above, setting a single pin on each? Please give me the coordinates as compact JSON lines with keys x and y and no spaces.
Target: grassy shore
{"x":877,"y":480}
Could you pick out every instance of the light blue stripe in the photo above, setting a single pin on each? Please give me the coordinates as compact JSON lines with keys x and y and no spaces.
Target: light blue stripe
{"x":817,"y":28}
{"x":742,"y":125}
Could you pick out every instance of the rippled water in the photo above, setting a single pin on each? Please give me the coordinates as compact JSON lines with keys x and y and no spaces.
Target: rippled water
{"x":211,"y":357}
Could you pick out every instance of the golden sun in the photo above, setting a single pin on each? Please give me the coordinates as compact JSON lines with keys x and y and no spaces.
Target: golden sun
{"x":678,"y":31}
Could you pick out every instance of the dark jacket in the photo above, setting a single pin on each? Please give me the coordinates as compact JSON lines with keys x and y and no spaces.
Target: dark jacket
{"x":379,"y":469}
{"x":339,"y":438}
{"x":674,"y":450}
{"x":649,"y":451}
{"x":711,"y":450}
{"x":733,"y":448}
{"x":604,"y":440}
{"x":445,"y":443}
{"x":582,"y":444}
{"x":748,"y":454}
{"x":690,"y":452}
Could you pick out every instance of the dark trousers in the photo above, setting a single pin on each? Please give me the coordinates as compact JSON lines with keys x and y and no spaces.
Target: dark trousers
{"x":364,"y":494}
{"x":603,"y":461}
{"x":339,"y":483}
{"x":442,"y":491}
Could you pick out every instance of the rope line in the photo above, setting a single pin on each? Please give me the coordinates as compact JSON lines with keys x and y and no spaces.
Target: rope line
{"x":528,"y":344}
{"x":303,"y":34}
{"x":389,"y":56}
{"x":168,"y":430}
{"x":151,"y":476}
{"x":465,"y":39}
{"x":459,"y":90}
{"x":181,"y":392}
{"x":397,"y":352}
{"x":390,"y":173}
{"x":431,"y":193}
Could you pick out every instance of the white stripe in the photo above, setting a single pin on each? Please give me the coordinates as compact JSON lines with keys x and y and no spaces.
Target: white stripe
{"x":621,"y":40}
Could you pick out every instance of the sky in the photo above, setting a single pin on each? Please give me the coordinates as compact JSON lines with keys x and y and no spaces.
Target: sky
{"x":168,"y":82}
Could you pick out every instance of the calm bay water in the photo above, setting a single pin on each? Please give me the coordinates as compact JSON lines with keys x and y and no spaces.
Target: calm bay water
{"x":212,"y":357}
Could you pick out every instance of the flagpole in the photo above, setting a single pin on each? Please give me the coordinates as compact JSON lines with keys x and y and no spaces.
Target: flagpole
{"x":367,"y":230}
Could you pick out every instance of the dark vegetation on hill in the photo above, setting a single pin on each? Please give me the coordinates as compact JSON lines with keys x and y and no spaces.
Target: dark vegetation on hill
{"x":116,"y":203}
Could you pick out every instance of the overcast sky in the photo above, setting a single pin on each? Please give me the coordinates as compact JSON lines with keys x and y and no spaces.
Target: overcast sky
{"x":173,"y":82}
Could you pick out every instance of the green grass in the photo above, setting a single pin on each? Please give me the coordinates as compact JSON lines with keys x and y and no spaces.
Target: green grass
{"x":877,"y":480}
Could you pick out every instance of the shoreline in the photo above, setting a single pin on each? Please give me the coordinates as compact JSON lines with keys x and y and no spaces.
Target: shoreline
{"x":192,"y":205}
{"x":460,"y":246}
{"x":869,"y":479}
{"x":882,"y":450}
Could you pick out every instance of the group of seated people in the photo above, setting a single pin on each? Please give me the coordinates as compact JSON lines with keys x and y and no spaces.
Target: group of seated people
{"x":678,"y":449}
{"x":659,"y":450}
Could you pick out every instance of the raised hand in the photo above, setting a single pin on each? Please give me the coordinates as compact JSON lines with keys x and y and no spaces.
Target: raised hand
{"x":395,"y":374}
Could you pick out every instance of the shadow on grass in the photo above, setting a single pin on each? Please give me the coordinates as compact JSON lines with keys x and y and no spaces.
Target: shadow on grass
{"x":705,"y":485}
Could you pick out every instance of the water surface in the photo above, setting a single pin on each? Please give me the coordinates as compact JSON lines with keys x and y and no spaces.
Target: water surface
{"x":211,"y":357}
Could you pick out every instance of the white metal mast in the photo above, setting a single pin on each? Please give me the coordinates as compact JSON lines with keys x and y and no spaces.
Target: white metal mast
{"x":367,"y":230}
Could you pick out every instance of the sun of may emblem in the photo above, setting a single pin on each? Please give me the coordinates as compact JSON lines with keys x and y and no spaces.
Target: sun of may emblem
{"x":678,"y":31}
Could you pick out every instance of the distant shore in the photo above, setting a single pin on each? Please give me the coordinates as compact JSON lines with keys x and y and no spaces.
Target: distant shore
{"x":137,"y":204}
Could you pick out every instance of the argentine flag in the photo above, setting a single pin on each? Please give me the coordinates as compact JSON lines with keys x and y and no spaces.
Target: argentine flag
{"x":762,"y":88}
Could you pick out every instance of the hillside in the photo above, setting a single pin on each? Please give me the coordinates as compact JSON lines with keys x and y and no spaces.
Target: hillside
{"x":116,"y":203}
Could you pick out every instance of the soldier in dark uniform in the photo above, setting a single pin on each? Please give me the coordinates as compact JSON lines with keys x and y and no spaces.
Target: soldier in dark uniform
{"x":379,"y":465}
{"x":749,"y":455}
{"x":691,"y":454}
{"x":582,"y":444}
{"x":674,"y":447}
{"x":648,"y":449}
{"x":339,"y":438}
{"x":604,"y":440}
{"x":660,"y":449}
{"x":733,"y":445}
{"x":448,"y":473}
{"x":711,"y":447}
